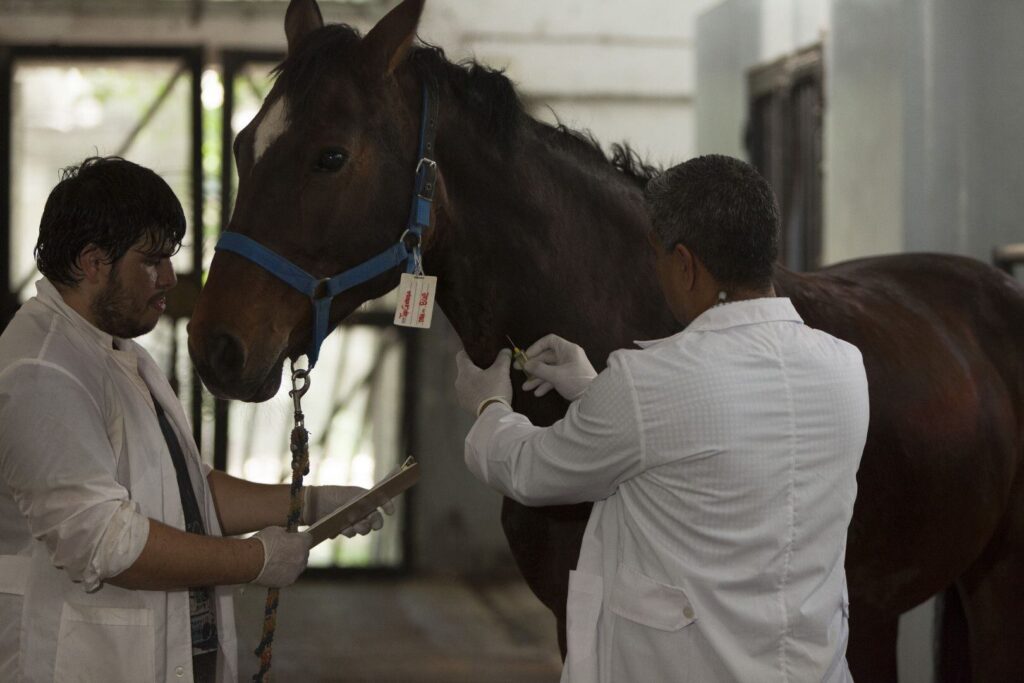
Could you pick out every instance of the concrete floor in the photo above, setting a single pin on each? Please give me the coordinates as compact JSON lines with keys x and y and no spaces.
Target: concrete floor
{"x":403,"y":630}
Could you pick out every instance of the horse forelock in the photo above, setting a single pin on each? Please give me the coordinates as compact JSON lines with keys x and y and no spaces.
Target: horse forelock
{"x":486,"y":92}
{"x":321,"y":54}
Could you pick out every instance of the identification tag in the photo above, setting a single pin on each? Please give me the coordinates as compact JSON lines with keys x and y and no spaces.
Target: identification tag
{"x":415,"y":300}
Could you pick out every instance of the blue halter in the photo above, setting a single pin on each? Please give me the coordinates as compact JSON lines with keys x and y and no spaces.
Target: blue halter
{"x":321,"y":291}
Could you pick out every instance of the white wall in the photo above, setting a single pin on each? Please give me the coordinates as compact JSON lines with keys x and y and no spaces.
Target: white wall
{"x":733,"y":37}
{"x":623,"y":70}
{"x":923,"y":100}
{"x":964,"y":152}
{"x":864,"y":103}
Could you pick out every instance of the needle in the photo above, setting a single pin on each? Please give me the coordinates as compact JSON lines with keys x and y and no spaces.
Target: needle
{"x":519,"y":355}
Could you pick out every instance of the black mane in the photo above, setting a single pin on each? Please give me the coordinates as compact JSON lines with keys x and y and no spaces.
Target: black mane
{"x":487,"y":91}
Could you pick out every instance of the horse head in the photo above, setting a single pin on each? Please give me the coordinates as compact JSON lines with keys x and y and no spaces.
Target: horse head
{"x":325,"y":176}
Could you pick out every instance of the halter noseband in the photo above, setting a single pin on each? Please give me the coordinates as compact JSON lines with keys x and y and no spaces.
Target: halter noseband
{"x":322,"y":291}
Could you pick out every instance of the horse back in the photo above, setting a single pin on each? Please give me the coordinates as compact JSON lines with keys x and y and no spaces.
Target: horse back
{"x":941,"y":338}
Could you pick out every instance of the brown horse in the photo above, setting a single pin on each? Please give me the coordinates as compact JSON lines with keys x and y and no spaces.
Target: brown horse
{"x":536,"y":231}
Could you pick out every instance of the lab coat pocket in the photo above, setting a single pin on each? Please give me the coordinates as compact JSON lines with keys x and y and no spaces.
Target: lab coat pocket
{"x":583,"y":610}
{"x":105,"y":644}
{"x":643,"y":600}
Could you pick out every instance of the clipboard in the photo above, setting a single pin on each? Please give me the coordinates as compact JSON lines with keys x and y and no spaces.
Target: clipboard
{"x":396,"y":483}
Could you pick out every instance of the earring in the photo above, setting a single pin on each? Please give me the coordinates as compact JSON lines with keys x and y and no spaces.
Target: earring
{"x":721,"y":297}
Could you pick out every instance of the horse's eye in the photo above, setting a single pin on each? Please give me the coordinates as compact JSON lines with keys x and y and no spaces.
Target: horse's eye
{"x":331,"y":160}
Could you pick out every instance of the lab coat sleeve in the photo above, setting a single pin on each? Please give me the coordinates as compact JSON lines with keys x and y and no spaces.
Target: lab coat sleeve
{"x":582,"y":457}
{"x":57,"y":461}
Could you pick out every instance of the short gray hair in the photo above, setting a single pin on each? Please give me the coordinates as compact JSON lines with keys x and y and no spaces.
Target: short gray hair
{"x":724,"y":211}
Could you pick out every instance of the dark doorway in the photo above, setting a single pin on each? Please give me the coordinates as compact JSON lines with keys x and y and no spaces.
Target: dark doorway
{"x":784,"y":142}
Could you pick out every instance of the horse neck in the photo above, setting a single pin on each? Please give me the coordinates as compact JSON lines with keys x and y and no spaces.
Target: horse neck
{"x":536,"y":241}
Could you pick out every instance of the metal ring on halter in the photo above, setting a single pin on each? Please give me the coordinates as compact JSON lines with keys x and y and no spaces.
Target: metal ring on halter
{"x":415,"y":241}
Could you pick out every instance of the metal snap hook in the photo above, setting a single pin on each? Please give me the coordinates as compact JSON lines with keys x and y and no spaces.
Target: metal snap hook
{"x":300,"y":385}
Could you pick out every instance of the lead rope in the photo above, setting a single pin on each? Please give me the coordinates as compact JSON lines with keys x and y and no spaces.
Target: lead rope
{"x":300,"y":468}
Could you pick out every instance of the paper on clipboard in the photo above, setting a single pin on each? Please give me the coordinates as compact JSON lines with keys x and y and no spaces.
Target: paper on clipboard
{"x":358,"y":508}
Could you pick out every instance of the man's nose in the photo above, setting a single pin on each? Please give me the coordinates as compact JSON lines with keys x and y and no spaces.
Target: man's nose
{"x":167,"y":278}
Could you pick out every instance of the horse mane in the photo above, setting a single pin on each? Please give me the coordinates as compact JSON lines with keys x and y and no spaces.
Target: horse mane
{"x":486,"y":91}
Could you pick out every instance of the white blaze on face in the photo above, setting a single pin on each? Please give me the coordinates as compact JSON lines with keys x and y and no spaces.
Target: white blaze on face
{"x":273,"y":125}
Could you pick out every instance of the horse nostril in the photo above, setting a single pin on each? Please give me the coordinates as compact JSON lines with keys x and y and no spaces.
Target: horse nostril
{"x":227,"y":355}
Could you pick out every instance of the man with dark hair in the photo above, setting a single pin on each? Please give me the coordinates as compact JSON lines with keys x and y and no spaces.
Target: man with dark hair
{"x":112,"y":560}
{"x":721,"y":461}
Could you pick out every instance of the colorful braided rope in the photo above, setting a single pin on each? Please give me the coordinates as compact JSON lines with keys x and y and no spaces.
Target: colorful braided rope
{"x":300,"y":468}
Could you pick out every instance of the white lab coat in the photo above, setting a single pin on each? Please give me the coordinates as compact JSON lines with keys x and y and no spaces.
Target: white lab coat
{"x":722,"y":461}
{"x":83,"y":467}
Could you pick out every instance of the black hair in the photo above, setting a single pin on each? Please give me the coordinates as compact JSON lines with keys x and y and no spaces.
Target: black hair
{"x":724,"y":211}
{"x":109,"y":202}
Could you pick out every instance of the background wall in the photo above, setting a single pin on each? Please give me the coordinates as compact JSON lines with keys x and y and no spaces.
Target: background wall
{"x":624,"y":70}
{"x":923,"y":102}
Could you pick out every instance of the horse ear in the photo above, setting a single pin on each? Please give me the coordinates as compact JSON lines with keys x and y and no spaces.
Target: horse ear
{"x":388,"y":43}
{"x":302,"y":18}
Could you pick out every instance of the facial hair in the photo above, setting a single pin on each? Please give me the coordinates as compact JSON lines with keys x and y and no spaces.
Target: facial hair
{"x":114,"y":310}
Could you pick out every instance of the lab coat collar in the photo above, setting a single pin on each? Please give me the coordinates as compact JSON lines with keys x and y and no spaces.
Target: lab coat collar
{"x":124,"y":350}
{"x":735,"y":314}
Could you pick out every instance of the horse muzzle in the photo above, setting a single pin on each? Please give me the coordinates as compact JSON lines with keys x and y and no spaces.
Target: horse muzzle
{"x":223,"y":363}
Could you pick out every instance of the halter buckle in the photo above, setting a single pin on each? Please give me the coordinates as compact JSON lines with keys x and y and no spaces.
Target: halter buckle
{"x":429,"y":178}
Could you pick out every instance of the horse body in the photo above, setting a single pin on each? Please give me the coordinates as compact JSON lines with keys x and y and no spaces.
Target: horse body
{"x":537,"y":232}
{"x":941,"y":480}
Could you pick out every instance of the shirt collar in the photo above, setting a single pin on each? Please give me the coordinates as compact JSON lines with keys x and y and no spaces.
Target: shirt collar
{"x":47,"y":293}
{"x":735,"y":314}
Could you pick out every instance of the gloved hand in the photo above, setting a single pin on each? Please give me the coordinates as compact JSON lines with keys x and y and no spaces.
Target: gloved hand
{"x":475,"y":386}
{"x":557,"y":363}
{"x":284,"y":556}
{"x":320,"y":501}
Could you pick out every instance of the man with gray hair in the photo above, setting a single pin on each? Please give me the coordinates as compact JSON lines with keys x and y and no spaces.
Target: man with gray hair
{"x":721,"y":460}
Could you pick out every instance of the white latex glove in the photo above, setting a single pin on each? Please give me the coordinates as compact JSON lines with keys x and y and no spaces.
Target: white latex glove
{"x":559,"y":364}
{"x":320,"y":501}
{"x":284,"y":556}
{"x":475,"y":386}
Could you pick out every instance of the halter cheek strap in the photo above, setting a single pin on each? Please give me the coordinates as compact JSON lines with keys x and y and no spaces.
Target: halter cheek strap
{"x":322,"y":291}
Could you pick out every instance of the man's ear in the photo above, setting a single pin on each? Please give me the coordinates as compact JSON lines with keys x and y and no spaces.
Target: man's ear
{"x":302,"y":18}
{"x":387,"y":44}
{"x":92,"y":264}
{"x":687,"y":264}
